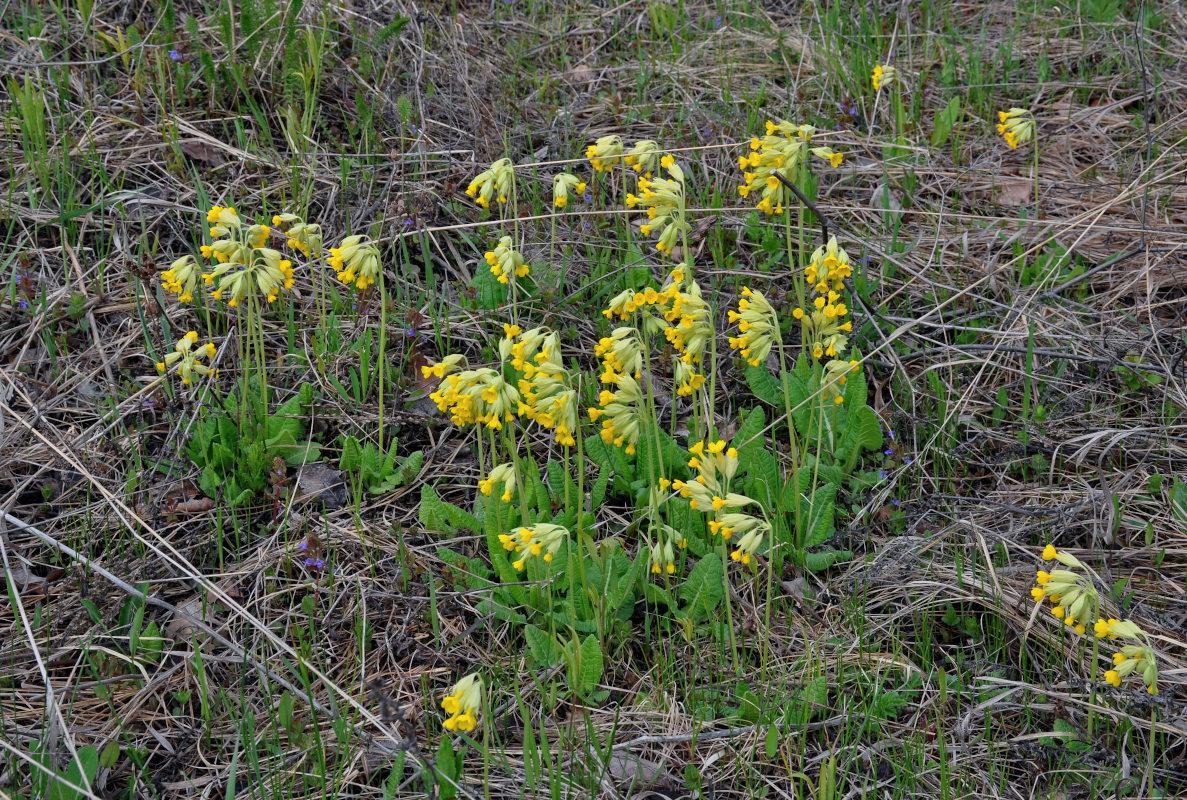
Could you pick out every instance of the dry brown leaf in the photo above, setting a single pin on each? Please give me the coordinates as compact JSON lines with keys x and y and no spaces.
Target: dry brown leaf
{"x":203,"y":153}
{"x":1016,"y":192}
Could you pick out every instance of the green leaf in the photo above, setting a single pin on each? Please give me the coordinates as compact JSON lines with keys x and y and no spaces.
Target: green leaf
{"x":764,"y":386}
{"x":763,"y":468}
{"x":432,"y":518}
{"x":450,"y":768}
{"x":590,"y":666}
{"x":89,"y":758}
{"x":597,"y":495}
{"x":489,"y":294}
{"x":702,"y":591}
{"x":814,"y":697}
{"x":352,"y":455}
{"x":818,"y":562}
{"x":869,"y":430}
{"x":544,"y":650}
{"x":946,"y":120}
{"x":820,"y":514}
{"x":748,"y":438}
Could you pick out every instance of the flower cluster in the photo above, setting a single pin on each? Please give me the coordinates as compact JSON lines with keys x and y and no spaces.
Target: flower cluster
{"x":542,"y":539}
{"x":664,"y":200}
{"x":825,"y":332}
{"x":690,"y":327}
{"x":884,"y":75}
{"x":300,"y":235}
{"x":781,"y":152}
{"x":709,"y":492}
{"x":463,"y":704}
{"x":1129,"y":658}
{"x":643,"y":157}
{"x":500,"y":475}
{"x":185,"y":359}
{"x":182,"y":278}
{"x":604,"y":152}
{"x":244,"y":265}
{"x":474,"y":396}
{"x":757,"y":324}
{"x":562,"y":185}
{"x":620,"y":412}
{"x":1016,"y":126}
{"x":356,"y":261}
{"x":494,"y":182}
{"x":506,"y":263}
{"x":546,"y":396}
{"x":1073,"y":595}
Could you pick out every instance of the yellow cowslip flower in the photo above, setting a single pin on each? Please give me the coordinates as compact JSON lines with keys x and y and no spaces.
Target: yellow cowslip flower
{"x":548,"y":401}
{"x":664,"y":200}
{"x":564,"y":183}
{"x":444,"y":366}
{"x":885,"y":75}
{"x":184,"y":360}
{"x":300,"y":235}
{"x":663,"y":552}
{"x":495,"y":182}
{"x":528,"y":349}
{"x":689,"y":330}
{"x":542,"y":539}
{"x":182,"y":278}
{"x":836,"y":374}
{"x":1117,"y":629}
{"x":501,"y":474}
{"x":757,"y":324}
{"x":755,"y":529}
{"x":1073,"y":595}
{"x":604,"y":152}
{"x":356,"y":261}
{"x":506,"y":263}
{"x":828,"y":267}
{"x":621,"y":353}
{"x":477,"y":396}
{"x":781,"y":152}
{"x":222,"y":221}
{"x":1137,"y":658}
{"x":266,"y":271}
{"x":643,"y":157}
{"x":463,"y":703}
{"x":620,"y":412}
{"x":1016,"y":126}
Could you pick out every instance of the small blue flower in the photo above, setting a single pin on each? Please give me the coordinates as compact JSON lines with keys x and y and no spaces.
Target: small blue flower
{"x":890,"y":434}
{"x":717,"y":22}
{"x":907,"y":460}
{"x":888,"y":452}
{"x":175,"y":55}
{"x":304,"y":545}
{"x":895,"y":501}
{"x":882,"y":474}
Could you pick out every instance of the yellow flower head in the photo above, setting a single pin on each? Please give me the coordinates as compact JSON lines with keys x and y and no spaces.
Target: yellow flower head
{"x":1016,"y":126}
{"x":603,"y":153}
{"x":493,"y":183}
{"x":463,"y":703}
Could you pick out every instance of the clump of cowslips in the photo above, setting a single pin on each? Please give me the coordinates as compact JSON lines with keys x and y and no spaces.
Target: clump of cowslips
{"x":182,"y":278}
{"x":664,"y":200}
{"x":781,"y":152}
{"x":546,"y":395}
{"x":300,"y":235}
{"x":471,"y":397}
{"x":1131,"y":658}
{"x":824,"y":325}
{"x":621,"y":412}
{"x":542,"y":540}
{"x":643,"y":157}
{"x":1072,"y":593}
{"x":562,"y":185}
{"x":884,"y":75}
{"x":495,"y":182}
{"x":244,"y":265}
{"x":757,"y":324}
{"x":356,"y":261}
{"x":463,"y":703}
{"x":500,"y":475}
{"x":185,"y":360}
{"x":710,"y":492}
{"x":506,"y":263}
{"x":1016,"y":126}
{"x":603,"y":153}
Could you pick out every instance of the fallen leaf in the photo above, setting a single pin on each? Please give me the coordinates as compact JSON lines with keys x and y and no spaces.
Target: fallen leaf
{"x":203,"y":152}
{"x":1015,"y":192}
{"x":320,"y":481}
